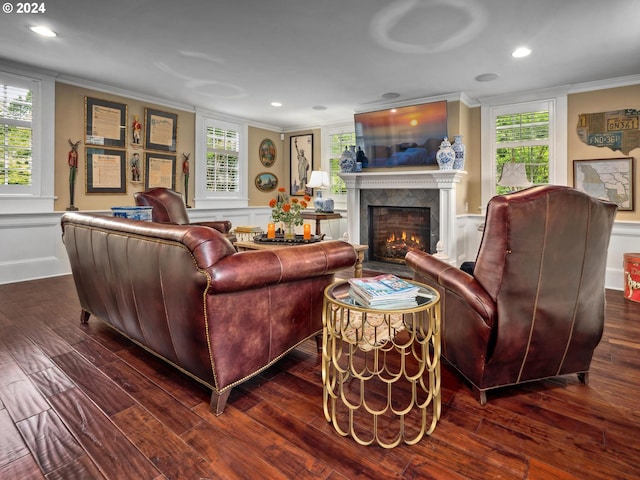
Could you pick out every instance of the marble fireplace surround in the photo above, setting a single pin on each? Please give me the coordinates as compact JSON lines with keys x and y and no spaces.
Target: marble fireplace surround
{"x":359,"y":186}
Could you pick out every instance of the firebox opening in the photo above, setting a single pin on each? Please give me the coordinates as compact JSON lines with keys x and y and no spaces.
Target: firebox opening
{"x":394,"y":231}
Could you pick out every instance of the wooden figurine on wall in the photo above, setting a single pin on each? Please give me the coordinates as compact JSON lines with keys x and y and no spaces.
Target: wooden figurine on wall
{"x":185,"y":172}
{"x":72,"y":159}
{"x":136,"y":128}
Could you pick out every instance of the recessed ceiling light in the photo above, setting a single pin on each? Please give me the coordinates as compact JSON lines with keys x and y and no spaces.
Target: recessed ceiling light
{"x":319,"y":107}
{"x":390,"y":95}
{"x":487,"y":77}
{"x":521,"y":52}
{"x":44,"y":31}
{"x":276,"y":104}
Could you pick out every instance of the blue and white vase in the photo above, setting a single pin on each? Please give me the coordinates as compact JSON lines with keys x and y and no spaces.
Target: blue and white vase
{"x":445,"y":155}
{"x":458,"y":148}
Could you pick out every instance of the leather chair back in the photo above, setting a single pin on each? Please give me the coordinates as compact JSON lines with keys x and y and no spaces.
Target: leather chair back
{"x":168,"y":206}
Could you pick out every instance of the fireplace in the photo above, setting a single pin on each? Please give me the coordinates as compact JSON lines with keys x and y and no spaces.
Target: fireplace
{"x":394,"y":231}
{"x":432,"y":188}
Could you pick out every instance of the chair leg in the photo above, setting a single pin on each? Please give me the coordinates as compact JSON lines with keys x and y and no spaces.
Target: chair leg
{"x":583,"y":377}
{"x":219,"y":401}
{"x":84,"y":316}
{"x":319,"y":343}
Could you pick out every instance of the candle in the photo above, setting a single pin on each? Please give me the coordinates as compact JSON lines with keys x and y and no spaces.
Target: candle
{"x":307,"y":231}
{"x":271,"y":230}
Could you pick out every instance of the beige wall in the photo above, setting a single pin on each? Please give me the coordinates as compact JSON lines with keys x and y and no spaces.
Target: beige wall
{"x":69,"y":120}
{"x":595,"y":102}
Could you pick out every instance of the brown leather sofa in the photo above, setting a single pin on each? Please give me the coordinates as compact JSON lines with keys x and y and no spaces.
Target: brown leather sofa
{"x":168,"y":207}
{"x":186,"y":295}
{"x":534,"y":306}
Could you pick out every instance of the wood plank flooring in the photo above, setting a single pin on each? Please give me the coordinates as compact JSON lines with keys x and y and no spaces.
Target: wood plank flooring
{"x":81,"y":402}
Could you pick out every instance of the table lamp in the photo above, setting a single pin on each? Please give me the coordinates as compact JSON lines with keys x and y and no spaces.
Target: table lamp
{"x":319,"y":181}
{"x":514,"y":175}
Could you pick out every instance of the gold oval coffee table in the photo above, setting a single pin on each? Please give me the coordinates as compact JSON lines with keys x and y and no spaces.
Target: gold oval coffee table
{"x":366,"y":394}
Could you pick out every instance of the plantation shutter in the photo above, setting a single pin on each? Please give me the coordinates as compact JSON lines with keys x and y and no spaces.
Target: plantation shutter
{"x":223,"y":159}
{"x":15,"y":135}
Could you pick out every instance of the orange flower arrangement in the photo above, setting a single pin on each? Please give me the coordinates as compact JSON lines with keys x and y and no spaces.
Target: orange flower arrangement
{"x":288,"y":210}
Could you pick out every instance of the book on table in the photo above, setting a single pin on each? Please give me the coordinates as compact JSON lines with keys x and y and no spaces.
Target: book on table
{"x":384,"y":290}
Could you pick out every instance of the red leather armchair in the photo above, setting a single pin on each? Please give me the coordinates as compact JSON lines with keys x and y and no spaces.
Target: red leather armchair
{"x":168,"y":207}
{"x":534,"y":306}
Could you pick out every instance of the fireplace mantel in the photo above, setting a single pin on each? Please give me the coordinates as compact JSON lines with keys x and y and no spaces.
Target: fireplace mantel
{"x":443,"y":180}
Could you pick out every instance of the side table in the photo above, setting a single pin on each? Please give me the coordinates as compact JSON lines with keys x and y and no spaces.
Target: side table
{"x":318,"y":217}
{"x":366,"y":394}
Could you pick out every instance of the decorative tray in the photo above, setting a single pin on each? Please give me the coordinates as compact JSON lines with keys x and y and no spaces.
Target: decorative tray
{"x":280,"y":240}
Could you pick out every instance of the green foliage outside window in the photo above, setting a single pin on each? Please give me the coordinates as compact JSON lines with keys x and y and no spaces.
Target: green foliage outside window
{"x":15,"y":136}
{"x":337,"y":144}
{"x":523,"y":138}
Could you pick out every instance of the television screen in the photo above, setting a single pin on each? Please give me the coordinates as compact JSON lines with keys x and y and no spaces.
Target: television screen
{"x":403,"y":136}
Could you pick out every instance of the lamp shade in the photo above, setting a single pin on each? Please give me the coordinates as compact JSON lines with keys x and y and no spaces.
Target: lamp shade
{"x":319,"y":179}
{"x":514,"y":175}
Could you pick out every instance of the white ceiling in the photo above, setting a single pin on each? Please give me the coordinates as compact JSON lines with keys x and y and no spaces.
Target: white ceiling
{"x":237,"y":56}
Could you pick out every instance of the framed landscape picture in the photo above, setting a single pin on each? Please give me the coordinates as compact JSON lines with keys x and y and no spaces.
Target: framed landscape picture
{"x":609,"y":179}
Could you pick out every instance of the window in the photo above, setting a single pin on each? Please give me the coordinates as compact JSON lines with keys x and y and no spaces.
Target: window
{"x":529,"y":137}
{"x":15,"y":135}
{"x":221,"y":162}
{"x":523,"y":138}
{"x":223,"y":159}
{"x":338,"y":139}
{"x":27,"y":119}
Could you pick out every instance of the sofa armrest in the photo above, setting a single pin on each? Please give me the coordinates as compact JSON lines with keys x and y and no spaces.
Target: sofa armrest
{"x":453,"y":281}
{"x":223,"y":226}
{"x":258,"y":268}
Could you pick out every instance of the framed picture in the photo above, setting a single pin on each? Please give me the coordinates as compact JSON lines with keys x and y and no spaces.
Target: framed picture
{"x":301,"y":164}
{"x":105,"y":123}
{"x":106,"y":172}
{"x":161,"y":130}
{"x":160,"y":170}
{"x":607,"y":179}
{"x":266,"y":181}
{"x":267,"y":152}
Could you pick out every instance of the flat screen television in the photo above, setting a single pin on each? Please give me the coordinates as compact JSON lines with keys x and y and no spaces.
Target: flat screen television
{"x":403,"y":136}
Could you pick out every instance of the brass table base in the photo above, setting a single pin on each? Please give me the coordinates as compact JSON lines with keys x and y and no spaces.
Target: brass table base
{"x":364,"y":395}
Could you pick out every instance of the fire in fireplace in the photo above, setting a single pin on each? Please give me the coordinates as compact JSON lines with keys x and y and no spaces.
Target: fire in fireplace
{"x":394,"y":231}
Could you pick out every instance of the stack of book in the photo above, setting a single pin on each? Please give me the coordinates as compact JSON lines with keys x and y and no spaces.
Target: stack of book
{"x":246,"y":233}
{"x":384,"y":291}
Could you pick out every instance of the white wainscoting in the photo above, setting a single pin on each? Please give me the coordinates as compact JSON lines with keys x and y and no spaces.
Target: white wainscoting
{"x":31,"y":244}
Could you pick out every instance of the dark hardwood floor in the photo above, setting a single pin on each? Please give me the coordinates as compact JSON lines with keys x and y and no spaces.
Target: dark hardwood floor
{"x":81,"y":402}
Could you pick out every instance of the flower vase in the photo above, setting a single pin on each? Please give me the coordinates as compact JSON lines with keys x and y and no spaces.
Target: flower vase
{"x":289,"y":231}
{"x":458,"y":148}
{"x":445,"y":155}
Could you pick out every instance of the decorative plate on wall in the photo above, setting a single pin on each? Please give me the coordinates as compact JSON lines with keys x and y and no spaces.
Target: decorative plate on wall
{"x":267,"y":152}
{"x":266,"y":181}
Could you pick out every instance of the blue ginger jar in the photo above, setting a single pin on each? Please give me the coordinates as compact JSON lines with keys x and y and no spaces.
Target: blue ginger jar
{"x":445,"y":155}
{"x":458,"y":148}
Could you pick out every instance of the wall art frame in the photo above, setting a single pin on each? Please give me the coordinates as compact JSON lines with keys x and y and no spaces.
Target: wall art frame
{"x":267,"y":152}
{"x":160,"y":170}
{"x":105,"y":123}
{"x":611,"y":179}
{"x":300,"y":164}
{"x":160,"y":130}
{"x":266,"y":182}
{"x":106,"y":171}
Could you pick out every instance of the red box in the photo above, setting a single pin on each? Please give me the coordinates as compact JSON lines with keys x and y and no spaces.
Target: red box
{"x":632,"y":276}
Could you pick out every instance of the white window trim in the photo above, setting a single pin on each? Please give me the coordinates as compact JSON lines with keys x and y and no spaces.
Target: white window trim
{"x":556,"y":101}
{"x":40,"y":196}
{"x":204,"y":198}
{"x":339,"y":200}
